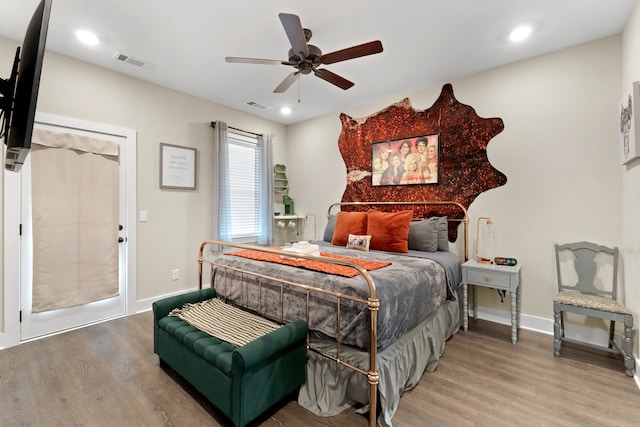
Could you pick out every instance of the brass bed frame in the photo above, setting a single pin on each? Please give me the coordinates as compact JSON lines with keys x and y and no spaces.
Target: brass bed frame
{"x":371,"y":302}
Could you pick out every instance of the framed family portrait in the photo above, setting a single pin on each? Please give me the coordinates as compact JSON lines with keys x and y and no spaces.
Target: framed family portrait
{"x":177,"y":167}
{"x":406,"y":161}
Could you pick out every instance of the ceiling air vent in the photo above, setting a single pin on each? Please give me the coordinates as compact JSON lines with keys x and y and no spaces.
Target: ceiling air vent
{"x":256,"y":105}
{"x":138,"y":63}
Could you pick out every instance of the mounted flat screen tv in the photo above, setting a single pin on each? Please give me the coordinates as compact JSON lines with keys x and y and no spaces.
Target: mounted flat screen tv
{"x":20,"y":92}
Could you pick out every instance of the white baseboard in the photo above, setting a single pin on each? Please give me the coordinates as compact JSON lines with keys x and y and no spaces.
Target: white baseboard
{"x":141,"y":306}
{"x":532,"y":323}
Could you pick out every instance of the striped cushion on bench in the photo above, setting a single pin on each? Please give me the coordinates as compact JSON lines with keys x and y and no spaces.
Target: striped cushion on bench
{"x":225,"y":321}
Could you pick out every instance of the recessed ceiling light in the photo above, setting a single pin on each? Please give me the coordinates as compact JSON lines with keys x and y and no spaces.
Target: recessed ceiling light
{"x":87,"y":37}
{"x":285,"y":111}
{"x":520,"y":33}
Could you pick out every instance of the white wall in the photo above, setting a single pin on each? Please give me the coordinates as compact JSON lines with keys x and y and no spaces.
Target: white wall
{"x":631,"y":179}
{"x":559,"y":151}
{"x":178,"y":220}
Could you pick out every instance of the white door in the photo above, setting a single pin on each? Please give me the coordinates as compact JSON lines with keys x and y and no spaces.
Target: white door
{"x":43,"y":323}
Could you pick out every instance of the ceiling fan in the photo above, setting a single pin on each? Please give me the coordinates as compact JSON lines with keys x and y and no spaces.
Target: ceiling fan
{"x":306,"y":58}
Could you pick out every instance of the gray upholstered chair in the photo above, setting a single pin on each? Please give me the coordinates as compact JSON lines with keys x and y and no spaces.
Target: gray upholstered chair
{"x":591,"y":297}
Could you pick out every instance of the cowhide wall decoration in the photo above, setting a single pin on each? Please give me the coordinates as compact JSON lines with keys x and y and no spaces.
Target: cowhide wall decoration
{"x":465,"y":171}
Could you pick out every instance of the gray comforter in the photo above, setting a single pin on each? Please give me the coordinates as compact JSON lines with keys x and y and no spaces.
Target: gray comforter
{"x":409,"y":289}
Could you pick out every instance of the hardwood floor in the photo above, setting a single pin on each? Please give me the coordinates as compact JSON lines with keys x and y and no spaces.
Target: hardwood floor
{"x":107,"y":375}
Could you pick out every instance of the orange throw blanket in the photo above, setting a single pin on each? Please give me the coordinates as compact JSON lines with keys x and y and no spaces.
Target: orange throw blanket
{"x":340,"y":270}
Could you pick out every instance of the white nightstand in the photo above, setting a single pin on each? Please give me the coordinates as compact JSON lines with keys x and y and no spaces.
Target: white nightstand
{"x":493,"y":276}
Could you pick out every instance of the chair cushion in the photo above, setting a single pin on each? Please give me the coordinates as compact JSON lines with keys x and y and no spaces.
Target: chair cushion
{"x":597,"y":302}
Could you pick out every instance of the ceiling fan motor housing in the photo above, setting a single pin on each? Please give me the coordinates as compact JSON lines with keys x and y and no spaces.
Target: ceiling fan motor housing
{"x":306,"y":64}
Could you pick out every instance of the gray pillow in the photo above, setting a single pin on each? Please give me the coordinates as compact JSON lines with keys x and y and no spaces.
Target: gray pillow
{"x":423,"y":235}
{"x":443,"y":233}
{"x":328,"y":230}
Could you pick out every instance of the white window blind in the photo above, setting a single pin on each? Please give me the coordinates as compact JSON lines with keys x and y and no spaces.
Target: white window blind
{"x":244,"y":188}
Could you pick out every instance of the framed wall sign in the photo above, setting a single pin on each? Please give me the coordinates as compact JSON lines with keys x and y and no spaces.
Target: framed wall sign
{"x":405,"y":161}
{"x":177,"y":167}
{"x":630,"y":124}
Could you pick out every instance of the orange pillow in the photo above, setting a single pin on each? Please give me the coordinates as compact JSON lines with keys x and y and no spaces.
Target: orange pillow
{"x":389,"y":231}
{"x":348,"y":223}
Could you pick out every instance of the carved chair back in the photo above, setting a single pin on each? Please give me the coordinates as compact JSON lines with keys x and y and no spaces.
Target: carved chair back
{"x":588,"y":264}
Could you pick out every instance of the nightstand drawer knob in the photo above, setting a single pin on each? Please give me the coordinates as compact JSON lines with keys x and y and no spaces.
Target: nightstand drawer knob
{"x":487,"y":278}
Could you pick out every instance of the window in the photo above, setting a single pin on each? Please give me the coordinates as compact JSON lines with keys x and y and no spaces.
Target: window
{"x":244,"y":186}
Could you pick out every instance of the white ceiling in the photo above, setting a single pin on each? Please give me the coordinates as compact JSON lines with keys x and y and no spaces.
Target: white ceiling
{"x":425,"y":42}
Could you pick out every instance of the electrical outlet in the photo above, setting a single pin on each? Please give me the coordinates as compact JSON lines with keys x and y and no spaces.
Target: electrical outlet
{"x":175,"y":274}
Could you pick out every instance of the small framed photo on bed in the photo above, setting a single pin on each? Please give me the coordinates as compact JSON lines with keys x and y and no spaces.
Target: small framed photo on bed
{"x":177,"y":167}
{"x":406,"y":161}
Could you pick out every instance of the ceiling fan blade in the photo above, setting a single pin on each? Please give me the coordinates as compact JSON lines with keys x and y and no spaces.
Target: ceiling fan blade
{"x":287,"y":82}
{"x":295,"y":33}
{"x":352,"y":52}
{"x":235,"y":59}
{"x":333,"y":78}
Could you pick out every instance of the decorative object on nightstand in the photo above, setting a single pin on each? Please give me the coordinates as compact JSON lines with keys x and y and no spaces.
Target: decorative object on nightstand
{"x":503,"y":278}
{"x":505,"y":261}
{"x":585,"y":260}
{"x":486,"y":234}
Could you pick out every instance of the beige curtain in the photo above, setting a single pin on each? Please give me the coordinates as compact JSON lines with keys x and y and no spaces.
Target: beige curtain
{"x":75,"y":219}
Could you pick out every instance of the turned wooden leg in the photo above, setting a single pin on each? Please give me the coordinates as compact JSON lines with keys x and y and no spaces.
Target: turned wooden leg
{"x":627,"y":345}
{"x":519,"y":304}
{"x":465,"y":308}
{"x":514,"y":317}
{"x":475,"y":302}
{"x":557,"y":331}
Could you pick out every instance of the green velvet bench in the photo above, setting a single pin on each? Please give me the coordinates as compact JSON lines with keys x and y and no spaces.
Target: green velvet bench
{"x":242,"y":382}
